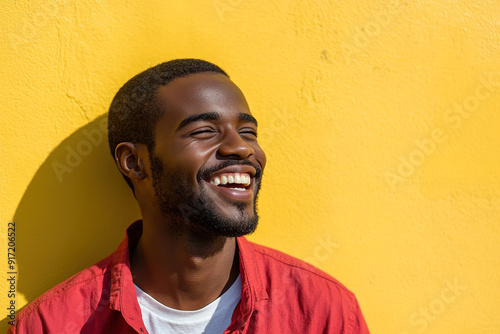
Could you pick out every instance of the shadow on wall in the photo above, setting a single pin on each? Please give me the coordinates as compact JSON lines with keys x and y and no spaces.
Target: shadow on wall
{"x":73,"y":213}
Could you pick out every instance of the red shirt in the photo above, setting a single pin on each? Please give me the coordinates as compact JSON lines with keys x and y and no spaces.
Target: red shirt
{"x":279,"y":294}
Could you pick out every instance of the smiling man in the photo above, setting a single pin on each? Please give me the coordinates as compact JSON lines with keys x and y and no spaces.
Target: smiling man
{"x":184,"y":139}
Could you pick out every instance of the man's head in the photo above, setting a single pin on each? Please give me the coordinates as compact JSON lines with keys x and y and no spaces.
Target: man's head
{"x":134,"y":110}
{"x":186,"y":141}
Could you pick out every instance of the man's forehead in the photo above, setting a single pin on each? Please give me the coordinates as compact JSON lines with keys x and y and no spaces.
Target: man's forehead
{"x":205,"y":86}
{"x":202,"y":96}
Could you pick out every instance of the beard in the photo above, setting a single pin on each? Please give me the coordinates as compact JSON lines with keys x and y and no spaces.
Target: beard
{"x":200,"y":214}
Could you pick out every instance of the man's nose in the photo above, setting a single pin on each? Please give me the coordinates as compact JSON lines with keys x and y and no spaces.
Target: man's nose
{"x":233,"y":145}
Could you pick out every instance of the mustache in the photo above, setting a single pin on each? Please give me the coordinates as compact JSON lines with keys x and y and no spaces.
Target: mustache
{"x":203,"y":173}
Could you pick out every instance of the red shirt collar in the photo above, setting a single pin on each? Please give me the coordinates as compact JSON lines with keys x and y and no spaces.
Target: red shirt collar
{"x":122,"y":292}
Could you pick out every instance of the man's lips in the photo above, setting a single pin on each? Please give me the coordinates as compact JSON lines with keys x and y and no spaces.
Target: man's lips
{"x":230,"y":166}
{"x":234,"y":192}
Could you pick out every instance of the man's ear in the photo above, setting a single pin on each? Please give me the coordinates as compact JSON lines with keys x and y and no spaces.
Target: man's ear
{"x":130,"y":161}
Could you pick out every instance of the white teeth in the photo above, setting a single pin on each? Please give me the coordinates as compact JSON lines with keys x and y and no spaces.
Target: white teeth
{"x":239,"y":189}
{"x":243,"y":179}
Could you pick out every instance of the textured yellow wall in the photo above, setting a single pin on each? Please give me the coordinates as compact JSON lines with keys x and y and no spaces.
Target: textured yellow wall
{"x":380,"y":120}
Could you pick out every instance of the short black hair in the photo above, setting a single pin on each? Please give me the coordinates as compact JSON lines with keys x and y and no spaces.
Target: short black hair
{"x":135,"y":111}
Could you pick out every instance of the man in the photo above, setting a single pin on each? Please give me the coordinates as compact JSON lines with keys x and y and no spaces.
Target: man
{"x":185,"y":141}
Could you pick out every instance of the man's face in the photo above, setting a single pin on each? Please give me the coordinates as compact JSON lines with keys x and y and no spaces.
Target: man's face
{"x":207,"y":165}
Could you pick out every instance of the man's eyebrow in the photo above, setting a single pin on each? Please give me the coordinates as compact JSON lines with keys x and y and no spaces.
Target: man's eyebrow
{"x":213,"y":116}
{"x":247,"y":118}
{"x":208,"y":116}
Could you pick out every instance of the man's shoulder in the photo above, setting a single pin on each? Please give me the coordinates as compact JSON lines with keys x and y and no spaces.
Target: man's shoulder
{"x":285,"y":267}
{"x":294,"y":290}
{"x":70,"y":293}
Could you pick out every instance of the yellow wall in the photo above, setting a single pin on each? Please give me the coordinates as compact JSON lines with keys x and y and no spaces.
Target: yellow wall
{"x":380,"y":120}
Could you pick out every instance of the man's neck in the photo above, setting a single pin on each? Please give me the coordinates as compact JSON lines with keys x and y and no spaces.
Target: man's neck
{"x":181,"y":270}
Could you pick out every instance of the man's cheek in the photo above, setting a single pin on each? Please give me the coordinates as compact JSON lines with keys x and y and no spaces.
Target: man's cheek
{"x":261,"y":158}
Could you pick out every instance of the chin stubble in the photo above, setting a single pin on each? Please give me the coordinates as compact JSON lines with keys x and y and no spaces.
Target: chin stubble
{"x":197,"y":212}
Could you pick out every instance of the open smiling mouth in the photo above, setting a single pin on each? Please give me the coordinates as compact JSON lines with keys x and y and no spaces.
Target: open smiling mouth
{"x":234,"y":181}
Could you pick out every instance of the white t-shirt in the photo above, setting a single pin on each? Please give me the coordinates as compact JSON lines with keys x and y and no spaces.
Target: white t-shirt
{"x":213,"y":318}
